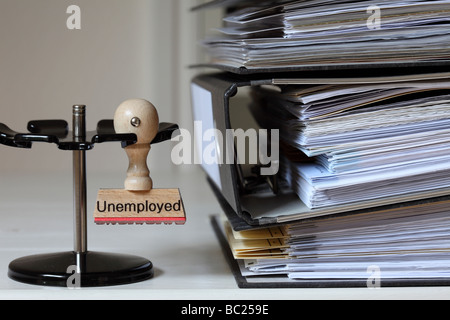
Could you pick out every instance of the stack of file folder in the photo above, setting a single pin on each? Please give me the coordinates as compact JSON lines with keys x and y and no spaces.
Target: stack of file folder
{"x":275,"y":35}
{"x":362,"y":195}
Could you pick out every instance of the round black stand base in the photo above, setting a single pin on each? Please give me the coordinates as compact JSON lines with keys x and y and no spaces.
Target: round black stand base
{"x":95,"y":269}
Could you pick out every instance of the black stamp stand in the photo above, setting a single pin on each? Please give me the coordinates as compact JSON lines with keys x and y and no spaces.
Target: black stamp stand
{"x":80,"y":267}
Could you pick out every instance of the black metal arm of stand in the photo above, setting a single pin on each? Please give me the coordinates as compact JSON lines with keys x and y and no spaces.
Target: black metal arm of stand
{"x":57,"y":131}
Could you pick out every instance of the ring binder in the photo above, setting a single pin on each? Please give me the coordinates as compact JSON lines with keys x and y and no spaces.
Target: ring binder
{"x":223,"y":86}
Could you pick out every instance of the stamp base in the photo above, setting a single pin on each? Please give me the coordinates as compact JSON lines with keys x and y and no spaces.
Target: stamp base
{"x":157,"y":206}
{"x":97,"y":269}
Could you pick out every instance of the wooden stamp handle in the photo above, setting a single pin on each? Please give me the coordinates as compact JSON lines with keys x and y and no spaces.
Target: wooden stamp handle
{"x":140,"y":117}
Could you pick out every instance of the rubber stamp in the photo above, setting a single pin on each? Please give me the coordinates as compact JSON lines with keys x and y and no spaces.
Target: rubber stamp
{"x":138,"y":202}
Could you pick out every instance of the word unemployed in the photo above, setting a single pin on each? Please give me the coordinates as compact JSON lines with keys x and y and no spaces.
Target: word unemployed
{"x":146,"y":206}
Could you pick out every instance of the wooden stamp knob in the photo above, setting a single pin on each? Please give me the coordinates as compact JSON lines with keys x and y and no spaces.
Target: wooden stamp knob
{"x":140,"y":117}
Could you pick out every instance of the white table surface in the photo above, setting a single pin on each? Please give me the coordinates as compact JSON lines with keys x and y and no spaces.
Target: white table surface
{"x":36,"y":217}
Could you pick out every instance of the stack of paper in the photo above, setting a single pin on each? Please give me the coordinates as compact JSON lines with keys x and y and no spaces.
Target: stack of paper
{"x":277,"y":34}
{"x":364,"y":180}
{"x":368,"y":141}
{"x":399,"y":244}
{"x":267,"y":243}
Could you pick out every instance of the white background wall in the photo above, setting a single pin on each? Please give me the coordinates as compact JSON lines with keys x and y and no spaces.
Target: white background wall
{"x":125,"y":49}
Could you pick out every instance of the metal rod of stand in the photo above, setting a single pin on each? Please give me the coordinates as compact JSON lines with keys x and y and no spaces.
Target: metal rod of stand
{"x":79,"y":180}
